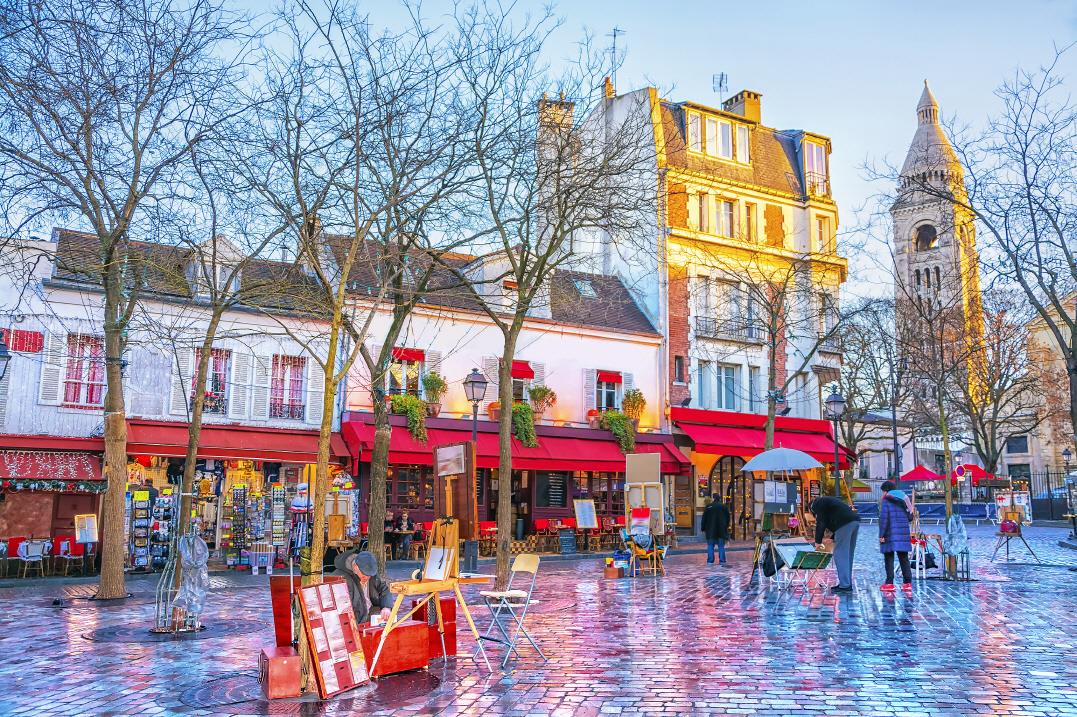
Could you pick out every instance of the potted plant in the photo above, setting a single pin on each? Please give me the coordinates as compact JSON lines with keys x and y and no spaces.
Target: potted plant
{"x":523,"y":424}
{"x":542,"y":397}
{"x":632,"y":405}
{"x":435,"y":386}
{"x":493,"y":410}
{"x":594,"y":418}
{"x":415,"y":409}
{"x":622,"y":429}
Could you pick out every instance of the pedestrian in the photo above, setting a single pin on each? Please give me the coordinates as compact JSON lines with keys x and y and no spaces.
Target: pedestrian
{"x":716,"y":528}
{"x":835,"y":515}
{"x":895,"y":536}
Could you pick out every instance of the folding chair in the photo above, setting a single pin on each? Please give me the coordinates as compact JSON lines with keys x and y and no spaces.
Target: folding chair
{"x":515,"y":603}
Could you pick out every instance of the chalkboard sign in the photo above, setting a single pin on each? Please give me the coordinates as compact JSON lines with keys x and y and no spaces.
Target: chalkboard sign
{"x":567,"y":538}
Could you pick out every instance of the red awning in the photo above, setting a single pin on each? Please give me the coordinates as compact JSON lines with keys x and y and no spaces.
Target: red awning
{"x":51,"y":443}
{"x":726,"y":433}
{"x":49,"y":465}
{"x":576,"y":450}
{"x":609,"y":377}
{"x":401,"y":354}
{"x":522,"y":369}
{"x":673,"y":460}
{"x":160,"y":438}
{"x":921,"y":473}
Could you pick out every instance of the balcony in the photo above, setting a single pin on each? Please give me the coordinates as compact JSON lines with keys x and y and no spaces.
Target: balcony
{"x":289,"y":411}
{"x":829,"y":344}
{"x":818,"y":184}
{"x":748,"y":332}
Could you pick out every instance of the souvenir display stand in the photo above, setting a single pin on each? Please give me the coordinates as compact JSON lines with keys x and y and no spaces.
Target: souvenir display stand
{"x":161,"y":524}
{"x":141,"y":506}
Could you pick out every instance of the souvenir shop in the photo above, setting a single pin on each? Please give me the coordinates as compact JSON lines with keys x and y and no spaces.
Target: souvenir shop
{"x":251,"y":502}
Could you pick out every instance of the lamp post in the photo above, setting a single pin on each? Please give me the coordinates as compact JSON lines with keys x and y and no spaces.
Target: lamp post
{"x":1067,"y":456}
{"x":475,"y":390}
{"x":895,"y":388}
{"x":835,"y":407}
{"x":5,"y":357}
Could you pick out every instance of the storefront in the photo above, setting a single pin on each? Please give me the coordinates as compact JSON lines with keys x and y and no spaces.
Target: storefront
{"x":568,"y":463}
{"x":722,"y":441}
{"x":45,"y":482}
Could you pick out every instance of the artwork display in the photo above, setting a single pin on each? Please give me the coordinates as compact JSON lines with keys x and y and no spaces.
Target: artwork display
{"x":333,"y":637}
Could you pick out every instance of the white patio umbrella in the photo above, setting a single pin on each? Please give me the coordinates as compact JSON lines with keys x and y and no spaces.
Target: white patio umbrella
{"x":781,"y":459}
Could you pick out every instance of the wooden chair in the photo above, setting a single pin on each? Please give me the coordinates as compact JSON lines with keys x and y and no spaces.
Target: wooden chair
{"x":542,"y":534}
{"x":33,"y":553}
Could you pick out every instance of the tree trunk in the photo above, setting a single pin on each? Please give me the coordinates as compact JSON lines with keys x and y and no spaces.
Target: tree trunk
{"x":1071,"y":371}
{"x":504,"y":470}
{"x":320,"y":488}
{"x":111,"y":584}
{"x":379,"y":473}
{"x":951,"y":562}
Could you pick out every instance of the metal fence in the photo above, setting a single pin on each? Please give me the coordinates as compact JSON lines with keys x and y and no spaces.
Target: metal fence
{"x":1048,"y":493}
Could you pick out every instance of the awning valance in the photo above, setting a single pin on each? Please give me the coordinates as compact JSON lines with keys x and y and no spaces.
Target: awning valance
{"x":162,"y":438}
{"x":609,"y":377}
{"x":33,"y":465}
{"x":726,"y":433}
{"x":522,"y":369}
{"x":402,"y":354}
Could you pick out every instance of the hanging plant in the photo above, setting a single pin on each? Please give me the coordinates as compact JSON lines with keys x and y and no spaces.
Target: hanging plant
{"x":415,"y":410}
{"x":523,"y":424}
{"x":633,"y":403}
{"x":622,"y":428}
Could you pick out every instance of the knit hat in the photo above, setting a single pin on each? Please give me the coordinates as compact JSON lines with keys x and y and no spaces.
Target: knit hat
{"x":887,"y":486}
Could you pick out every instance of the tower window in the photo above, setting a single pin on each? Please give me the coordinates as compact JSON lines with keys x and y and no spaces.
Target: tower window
{"x":926,"y":237}
{"x":938,"y":281}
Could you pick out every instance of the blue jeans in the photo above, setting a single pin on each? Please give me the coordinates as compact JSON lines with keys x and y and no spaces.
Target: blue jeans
{"x":721,"y":550}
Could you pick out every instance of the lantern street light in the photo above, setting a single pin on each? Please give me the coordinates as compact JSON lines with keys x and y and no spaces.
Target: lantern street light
{"x":1067,"y":456}
{"x":475,"y":390}
{"x":5,"y":357}
{"x":835,"y":409}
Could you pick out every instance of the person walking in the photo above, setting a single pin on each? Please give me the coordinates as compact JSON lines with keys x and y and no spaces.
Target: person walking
{"x":895,"y":536}
{"x":835,"y":515}
{"x":716,"y":528}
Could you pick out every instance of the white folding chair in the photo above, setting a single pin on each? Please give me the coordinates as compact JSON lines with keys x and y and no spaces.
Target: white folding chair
{"x":515,"y":603}
{"x":32,"y":552}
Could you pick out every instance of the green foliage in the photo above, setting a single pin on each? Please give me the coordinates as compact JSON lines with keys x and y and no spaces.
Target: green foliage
{"x":622,"y":429}
{"x":523,"y":424}
{"x":633,"y":403}
{"x":415,"y":409}
{"x":435,"y":386}
{"x":542,"y":396}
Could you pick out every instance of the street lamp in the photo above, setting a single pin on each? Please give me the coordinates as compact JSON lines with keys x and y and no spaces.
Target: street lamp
{"x":835,"y":408}
{"x":895,"y":389}
{"x":1067,"y":456}
{"x":475,"y":390}
{"x":5,"y":357}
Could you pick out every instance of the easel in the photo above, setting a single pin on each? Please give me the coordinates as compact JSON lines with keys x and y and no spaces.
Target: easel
{"x":1016,"y":514}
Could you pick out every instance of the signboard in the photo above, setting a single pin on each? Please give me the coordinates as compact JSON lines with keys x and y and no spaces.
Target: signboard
{"x":586,"y":517}
{"x":86,"y":528}
{"x":643,"y":468}
{"x":333,"y":636}
{"x":451,"y":460}
{"x":566,"y":538}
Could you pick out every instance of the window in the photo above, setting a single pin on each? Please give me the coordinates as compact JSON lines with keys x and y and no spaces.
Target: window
{"x":750,"y":211}
{"x":606,"y":390}
{"x":703,"y":370}
{"x":519,"y":389}
{"x":755,"y":397}
{"x":927,"y":237}
{"x":743,"y":144}
{"x":84,"y":383}
{"x":815,"y":169}
{"x":586,"y":289}
{"x":712,"y":137}
{"x":551,"y":490}
{"x":220,"y":364}
{"x":287,"y":394}
{"x":938,"y":281}
{"x":726,"y":218}
{"x":678,"y":369}
{"x":405,"y":368}
{"x":1019,"y":471}
{"x":726,"y":393}
{"x":1017,"y":444}
{"x":703,"y":212}
{"x":822,"y":234}
{"x":695,"y":138}
{"x":410,"y":487}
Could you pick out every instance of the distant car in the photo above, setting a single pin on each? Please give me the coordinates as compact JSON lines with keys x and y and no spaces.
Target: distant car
{"x":1058,"y":493}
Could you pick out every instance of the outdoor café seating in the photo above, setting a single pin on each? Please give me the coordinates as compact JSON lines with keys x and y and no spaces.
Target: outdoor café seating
{"x":33,"y":553}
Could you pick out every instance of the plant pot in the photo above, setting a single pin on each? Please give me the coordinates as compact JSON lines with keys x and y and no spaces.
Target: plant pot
{"x":635,"y":425}
{"x":494,"y":412}
{"x":433,"y":409}
{"x":537,"y":412}
{"x":594,"y":421}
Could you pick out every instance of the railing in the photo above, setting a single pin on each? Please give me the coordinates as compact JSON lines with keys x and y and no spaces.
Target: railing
{"x":818,"y":184}
{"x":829,"y":344}
{"x":731,"y":329}
{"x":292,"y":411}
{"x":215,"y":403}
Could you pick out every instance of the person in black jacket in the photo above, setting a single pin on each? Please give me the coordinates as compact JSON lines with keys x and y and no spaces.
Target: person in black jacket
{"x":716,"y":528}
{"x":369,"y":593}
{"x":835,"y":515}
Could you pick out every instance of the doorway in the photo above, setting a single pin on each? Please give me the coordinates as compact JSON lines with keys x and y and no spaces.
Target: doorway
{"x":66,"y":507}
{"x":735,"y":486}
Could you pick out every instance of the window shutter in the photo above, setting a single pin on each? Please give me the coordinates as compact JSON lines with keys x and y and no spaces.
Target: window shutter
{"x":240,"y":385}
{"x":590,"y":377}
{"x":315,"y":389}
{"x":540,"y":374}
{"x":181,"y":382}
{"x":50,"y":390}
{"x":3,"y":397}
{"x":262,"y":366}
{"x":490,"y":368}
{"x":432,"y":364}
{"x":628,"y":381}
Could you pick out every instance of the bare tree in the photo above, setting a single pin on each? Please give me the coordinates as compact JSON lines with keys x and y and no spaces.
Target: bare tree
{"x":101,"y":103}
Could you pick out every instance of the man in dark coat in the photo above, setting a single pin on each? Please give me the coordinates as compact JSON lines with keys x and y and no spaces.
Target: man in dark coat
{"x":716,"y":528}
{"x":835,"y":515}
{"x":369,"y":593}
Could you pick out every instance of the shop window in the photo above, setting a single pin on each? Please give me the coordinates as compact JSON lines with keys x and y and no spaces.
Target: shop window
{"x":84,"y":383}
{"x":220,"y":363}
{"x":409,"y":487}
{"x":287,"y":398}
{"x":551,"y":490}
{"x":405,"y":370}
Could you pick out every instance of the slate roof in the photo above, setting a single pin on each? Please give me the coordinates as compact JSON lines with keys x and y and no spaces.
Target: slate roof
{"x":774,"y":163}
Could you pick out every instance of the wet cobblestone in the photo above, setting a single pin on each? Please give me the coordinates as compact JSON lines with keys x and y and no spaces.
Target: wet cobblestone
{"x":699,"y":641}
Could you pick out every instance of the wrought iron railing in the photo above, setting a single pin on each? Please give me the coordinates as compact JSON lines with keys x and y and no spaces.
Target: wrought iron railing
{"x":731,"y":329}
{"x":818,"y":184}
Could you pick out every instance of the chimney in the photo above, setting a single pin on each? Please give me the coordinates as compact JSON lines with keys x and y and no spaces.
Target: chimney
{"x":608,"y":87}
{"x":745,"y":103}
{"x":555,"y":112}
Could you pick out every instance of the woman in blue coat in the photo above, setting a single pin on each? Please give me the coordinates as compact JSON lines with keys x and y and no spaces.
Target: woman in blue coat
{"x":895,"y":536}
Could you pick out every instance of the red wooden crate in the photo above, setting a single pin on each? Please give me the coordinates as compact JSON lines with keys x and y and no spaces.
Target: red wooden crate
{"x":448,"y":617}
{"x":406,"y":648}
{"x":279,"y":672}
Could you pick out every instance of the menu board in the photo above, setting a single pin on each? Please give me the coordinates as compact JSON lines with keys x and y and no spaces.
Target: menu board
{"x":333,"y":635}
{"x":86,"y":528}
{"x":586,"y":517}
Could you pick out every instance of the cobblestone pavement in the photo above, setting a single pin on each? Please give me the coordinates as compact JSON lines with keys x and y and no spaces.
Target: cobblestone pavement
{"x":700,"y":640}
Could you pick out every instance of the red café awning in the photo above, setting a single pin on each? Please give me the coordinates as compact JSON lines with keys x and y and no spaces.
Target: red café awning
{"x":522,"y":369}
{"x":744,"y":434}
{"x":284,"y":445}
{"x":70,"y":466}
{"x":572,"y":450}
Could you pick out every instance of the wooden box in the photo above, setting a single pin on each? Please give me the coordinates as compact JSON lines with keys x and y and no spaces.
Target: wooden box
{"x":279,"y":672}
{"x":448,"y":617}
{"x":406,"y":648}
{"x":613,"y":573}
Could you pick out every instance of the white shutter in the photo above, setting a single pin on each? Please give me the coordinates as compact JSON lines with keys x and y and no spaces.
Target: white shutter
{"x":590,"y":384}
{"x":628,"y":381}
{"x":3,"y":396}
{"x":540,"y":373}
{"x":491,"y":369}
{"x":181,"y":382}
{"x":315,"y":390}
{"x":262,"y":369}
{"x":432,"y":364}
{"x":50,"y":390}
{"x":239,"y":385}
